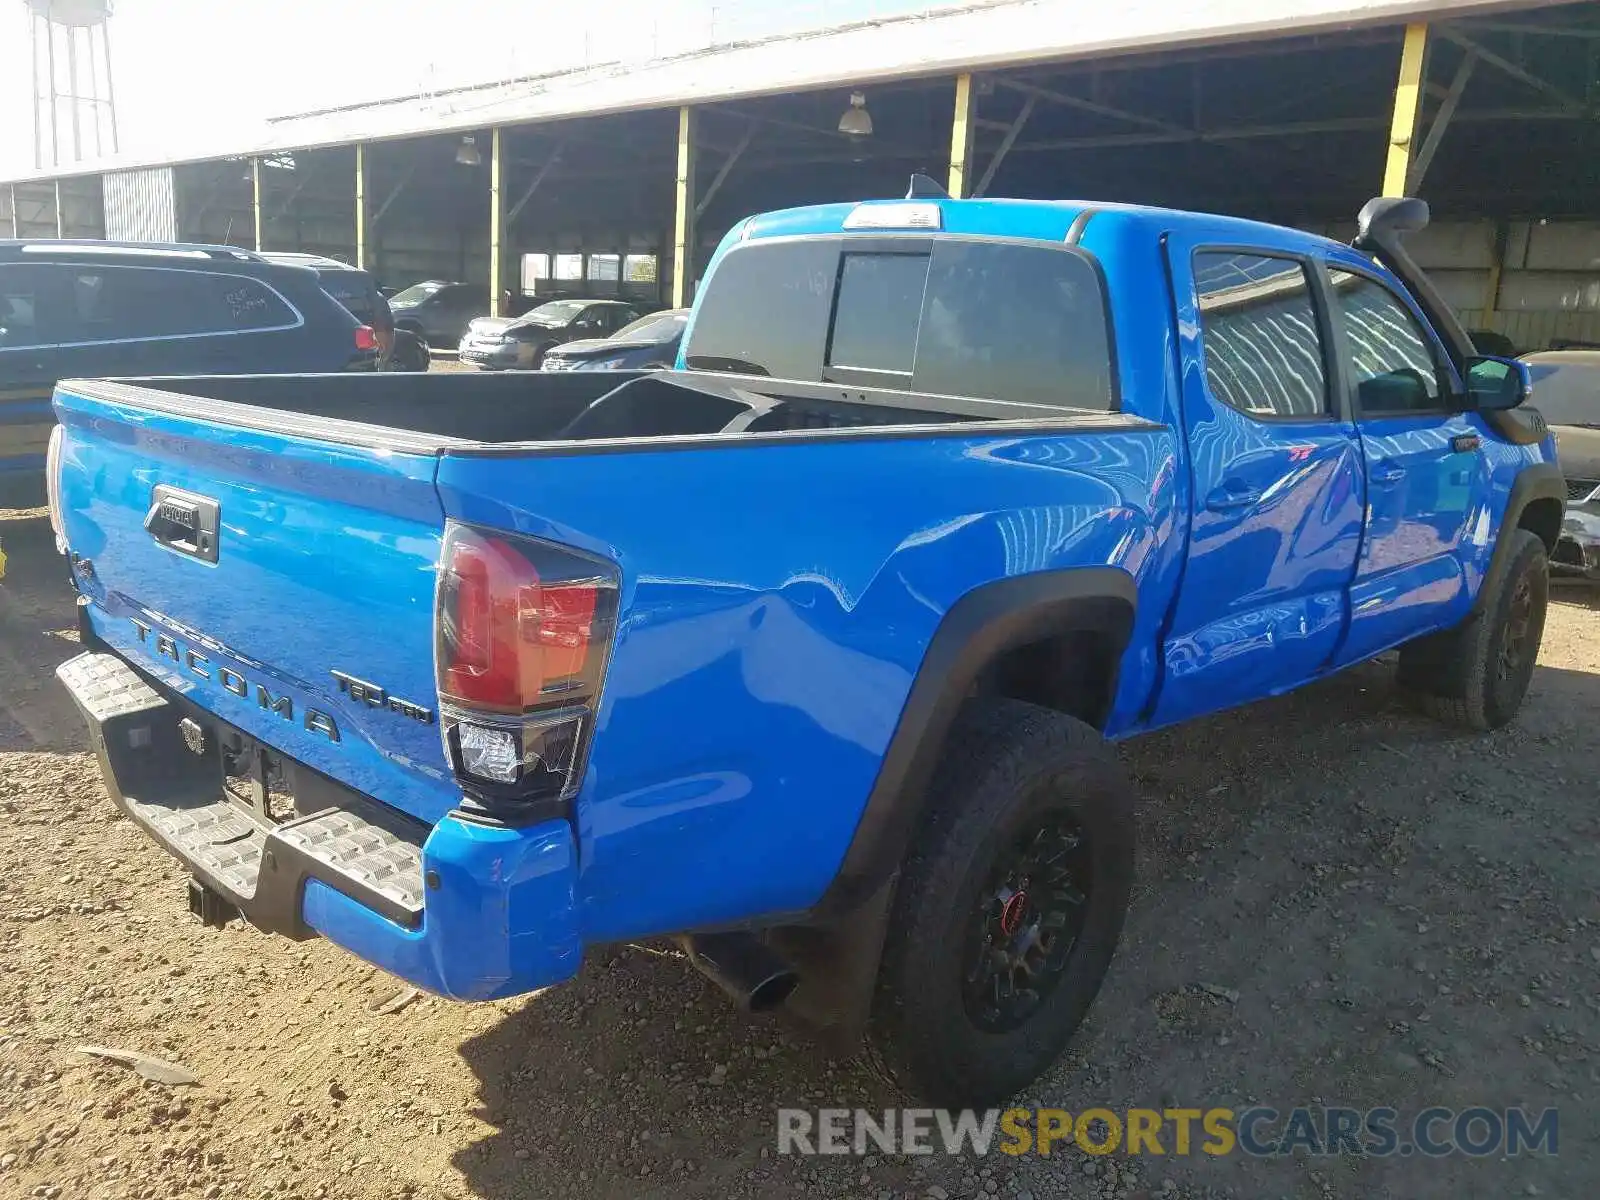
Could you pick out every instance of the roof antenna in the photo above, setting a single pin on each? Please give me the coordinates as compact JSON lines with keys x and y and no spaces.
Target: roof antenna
{"x":924,"y":187}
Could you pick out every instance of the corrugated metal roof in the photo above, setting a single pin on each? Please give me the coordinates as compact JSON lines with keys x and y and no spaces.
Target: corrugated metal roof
{"x":983,"y":35}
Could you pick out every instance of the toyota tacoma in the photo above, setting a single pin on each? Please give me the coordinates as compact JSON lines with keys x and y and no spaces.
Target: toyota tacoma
{"x":809,"y":653}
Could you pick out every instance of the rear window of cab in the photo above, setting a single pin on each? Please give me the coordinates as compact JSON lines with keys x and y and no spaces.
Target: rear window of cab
{"x":1011,"y":322}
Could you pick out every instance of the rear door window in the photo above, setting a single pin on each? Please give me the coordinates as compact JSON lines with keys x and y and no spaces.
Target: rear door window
{"x":1011,"y":322}
{"x":24,"y":306}
{"x":1259,"y":334}
{"x":765,"y":310}
{"x":1014,"y":322}
{"x":126,"y":303}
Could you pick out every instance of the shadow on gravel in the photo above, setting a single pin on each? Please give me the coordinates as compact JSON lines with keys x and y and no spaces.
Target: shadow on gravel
{"x":37,"y":634}
{"x":1330,"y":783}
{"x":640,"y":1079}
{"x":572,"y":1078}
{"x":1580,"y":593}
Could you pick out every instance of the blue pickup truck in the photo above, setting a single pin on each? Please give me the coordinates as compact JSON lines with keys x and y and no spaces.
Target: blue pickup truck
{"x":809,"y":653}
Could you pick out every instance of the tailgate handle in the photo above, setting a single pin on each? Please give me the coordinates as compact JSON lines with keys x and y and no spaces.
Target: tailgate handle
{"x":184,"y":521}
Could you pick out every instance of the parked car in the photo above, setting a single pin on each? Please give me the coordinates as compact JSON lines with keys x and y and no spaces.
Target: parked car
{"x":810,"y":652}
{"x":649,"y":343}
{"x":496,"y":343}
{"x":1566,"y":386}
{"x":359,"y":292}
{"x":99,"y":309}
{"x":437,"y":311}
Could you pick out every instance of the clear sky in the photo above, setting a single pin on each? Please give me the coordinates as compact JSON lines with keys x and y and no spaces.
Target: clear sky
{"x":190,"y":72}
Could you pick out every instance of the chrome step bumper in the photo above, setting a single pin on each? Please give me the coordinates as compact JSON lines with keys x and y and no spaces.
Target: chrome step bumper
{"x":352,"y":844}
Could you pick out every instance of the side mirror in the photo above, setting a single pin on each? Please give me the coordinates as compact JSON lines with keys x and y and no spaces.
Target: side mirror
{"x":1497,"y":384}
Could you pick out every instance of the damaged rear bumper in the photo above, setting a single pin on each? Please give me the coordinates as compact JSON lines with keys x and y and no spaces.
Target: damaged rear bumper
{"x":465,"y":909}
{"x":1577,"y":550}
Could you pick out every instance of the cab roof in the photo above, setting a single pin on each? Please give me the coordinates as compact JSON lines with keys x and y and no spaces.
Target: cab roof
{"x":1045,"y":220}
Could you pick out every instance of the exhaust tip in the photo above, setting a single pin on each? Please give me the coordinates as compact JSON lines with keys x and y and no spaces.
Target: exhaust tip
{"x":771,"y":992}
{"x":754,"y":975}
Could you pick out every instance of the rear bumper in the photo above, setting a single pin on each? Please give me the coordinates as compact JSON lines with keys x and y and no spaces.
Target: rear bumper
{"x":464,"y":909}
{"x":491,"y":355}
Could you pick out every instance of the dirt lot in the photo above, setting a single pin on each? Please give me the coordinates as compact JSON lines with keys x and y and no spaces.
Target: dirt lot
{"x":1408,"y":917}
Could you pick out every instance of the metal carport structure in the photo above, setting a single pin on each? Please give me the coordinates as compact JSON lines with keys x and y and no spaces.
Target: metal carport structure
{"x":1296,"y":111}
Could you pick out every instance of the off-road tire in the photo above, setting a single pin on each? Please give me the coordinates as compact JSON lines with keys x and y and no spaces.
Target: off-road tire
{"x":1461,"y":675}
{"x":1007,"y":764}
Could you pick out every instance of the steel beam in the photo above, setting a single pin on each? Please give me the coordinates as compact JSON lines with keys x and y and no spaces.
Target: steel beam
{"x":255,"y":202}
{"x":538,"y":179}
{"x":1508,"y":67}
{"x":38,"y":109}
{"x":1556,"y":31}
{"x":1010,"y":140}
{"x":394,"y":192}
{"x":1441,"y":122}
{"x":683,"y":232}
{"x":294,"y":194}
{"x":61,"y":221}
{"x":497,"y":222}
{"x":961,"y":135}
{"x":361,"y":206}
{"x":1497,"y":264}
{"x":1288,"y":129}
{"x":212,"y":192}
{"x":55,"y":105}
{"x":1407,"y":107}
{"x":1089,"y":106}
{"x":16,"y":227}
{"x":722,"y":172}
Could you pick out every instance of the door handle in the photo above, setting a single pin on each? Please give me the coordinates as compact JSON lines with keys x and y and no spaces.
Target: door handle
{"x":1234,"y":493}
{"x":184,"y":521}
{"x":1387,"y":473}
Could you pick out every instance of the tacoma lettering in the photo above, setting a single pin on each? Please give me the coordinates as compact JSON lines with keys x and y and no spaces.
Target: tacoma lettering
{"x":198,"y":663}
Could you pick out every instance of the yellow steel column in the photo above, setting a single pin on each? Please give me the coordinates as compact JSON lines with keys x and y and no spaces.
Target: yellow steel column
{"x":255,"y":200}
{"x":961,"y":140}
{"x":1497,"y":266}
{"x":683,"y":236}
{"x":61,"y":220}
{"x":1407,"y":107}
{"x":361,"y":206}
{"x":497,"y":218}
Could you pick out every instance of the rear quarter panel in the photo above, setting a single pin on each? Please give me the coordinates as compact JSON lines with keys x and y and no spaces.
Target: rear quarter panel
{"x":777,"y":600}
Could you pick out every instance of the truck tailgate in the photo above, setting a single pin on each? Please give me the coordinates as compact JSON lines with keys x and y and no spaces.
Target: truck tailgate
{"x":282,"y":580}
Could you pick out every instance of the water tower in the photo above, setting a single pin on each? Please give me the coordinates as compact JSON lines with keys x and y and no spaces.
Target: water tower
{"x":74,"y":111}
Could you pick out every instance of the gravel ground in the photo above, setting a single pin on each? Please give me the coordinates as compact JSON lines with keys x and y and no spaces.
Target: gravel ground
{"x":1380,"y":911}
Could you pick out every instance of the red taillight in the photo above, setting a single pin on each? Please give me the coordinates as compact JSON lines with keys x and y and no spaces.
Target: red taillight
{"x":366,"y":339}
{"x":509,"y":639}
{"x":523,"y":632}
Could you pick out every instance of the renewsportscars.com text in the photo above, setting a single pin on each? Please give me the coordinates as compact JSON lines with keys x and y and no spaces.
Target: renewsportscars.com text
{"x":1258,"y":1131}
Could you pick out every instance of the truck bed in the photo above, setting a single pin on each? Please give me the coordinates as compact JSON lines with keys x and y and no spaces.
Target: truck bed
{"x":429,"y":412}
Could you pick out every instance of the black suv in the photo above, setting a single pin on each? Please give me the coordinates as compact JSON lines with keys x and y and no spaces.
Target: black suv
{"x":98,"y":309}
{"x":359,"y":292}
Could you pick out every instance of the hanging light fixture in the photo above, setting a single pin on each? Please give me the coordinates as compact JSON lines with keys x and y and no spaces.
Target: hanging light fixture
{"x":467,"y":154}
{"x":856,"y":121}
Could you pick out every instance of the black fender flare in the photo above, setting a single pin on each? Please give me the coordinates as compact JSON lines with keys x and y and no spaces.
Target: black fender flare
{"x":1537,"y":481}
{"x":977,"y":629}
